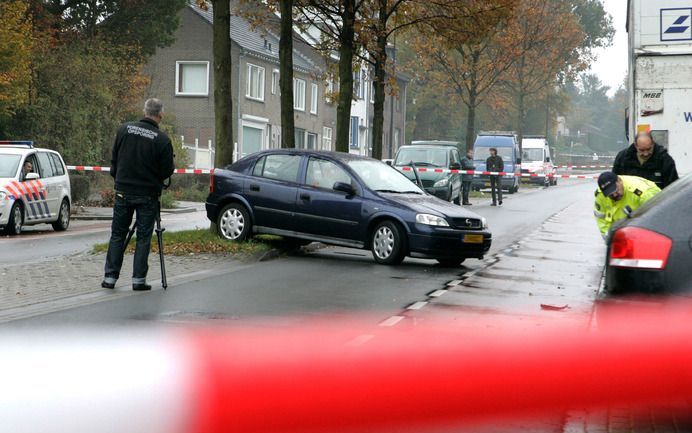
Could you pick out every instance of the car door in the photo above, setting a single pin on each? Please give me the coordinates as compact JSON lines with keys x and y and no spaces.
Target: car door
{"x":33,"y":192}
{"x":51,"y":184}
{"x":323,"y":211}
{"x":272,"y":190}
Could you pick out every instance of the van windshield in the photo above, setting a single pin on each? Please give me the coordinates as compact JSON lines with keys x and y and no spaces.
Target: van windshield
{"x":528,"y":155}
{"x":482,"y":153}
{"x":434,"y":157}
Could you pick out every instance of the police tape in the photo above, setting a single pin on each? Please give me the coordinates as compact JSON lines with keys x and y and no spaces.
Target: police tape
{"x":341,"y":375}
{"x":501,"y":173}
{"x":569,"y":167}
{"x":177,"y":170}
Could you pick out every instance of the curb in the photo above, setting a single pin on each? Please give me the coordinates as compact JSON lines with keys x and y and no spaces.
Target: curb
{"x":95,"y":217}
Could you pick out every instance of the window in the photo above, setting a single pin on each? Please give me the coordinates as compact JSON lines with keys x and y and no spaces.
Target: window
{"x":59,"y":167}
{"x":353,"y":136}
{"x":372,"y":91}
{"x":275,"y":81}
{"x":359,"y":84}
{"x":255,"y":82}
{"x":330,"y":93}
{"x":398,"y":103}
{"x":192,"y":78}
{"x":299,"y":94}
{"x":299,"y":138}
{"x":313,"y":99}
{"x":279,"y":167}
{"x":326,"y":138}
{"x":312,"y":141}
{"x":323,"y":174}
{"x":46,"y":169}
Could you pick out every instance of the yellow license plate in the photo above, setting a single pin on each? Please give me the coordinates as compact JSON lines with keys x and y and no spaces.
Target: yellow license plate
{"x":473,"y":239}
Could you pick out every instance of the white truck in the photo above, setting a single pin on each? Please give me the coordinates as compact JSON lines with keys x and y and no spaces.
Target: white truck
{"x":660,"y":75}
{"x":536,"y":160}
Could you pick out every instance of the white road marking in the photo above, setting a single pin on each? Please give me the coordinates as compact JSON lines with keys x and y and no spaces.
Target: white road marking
{"x":437,"y":293}
{"x":391,"y":321}
{"x":360,"y":340}
{"x":454,"y":283}
{"x":417,"y":305}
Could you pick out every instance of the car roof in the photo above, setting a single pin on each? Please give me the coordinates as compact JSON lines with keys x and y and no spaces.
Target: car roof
{"x":433,"y":143}
{"x":342,"y":156}
{"x":22,"y":150}
{"x":495,"y":140}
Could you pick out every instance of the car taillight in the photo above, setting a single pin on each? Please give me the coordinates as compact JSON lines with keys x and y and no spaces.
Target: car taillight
{"x":635,"y":247}
{"x":211,"y":181}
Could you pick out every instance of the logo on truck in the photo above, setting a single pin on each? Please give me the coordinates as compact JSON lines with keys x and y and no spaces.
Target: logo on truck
{"x":676,"y":24}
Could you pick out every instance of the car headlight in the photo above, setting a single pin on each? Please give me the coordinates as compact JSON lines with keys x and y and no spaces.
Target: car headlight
{"x":484,"y":222}
{"x":442,"y":182}
{"x":431,"y":220}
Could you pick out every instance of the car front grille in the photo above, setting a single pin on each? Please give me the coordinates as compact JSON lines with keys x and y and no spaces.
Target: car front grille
{"x":466,"y":223}
{"x":427,"y":183}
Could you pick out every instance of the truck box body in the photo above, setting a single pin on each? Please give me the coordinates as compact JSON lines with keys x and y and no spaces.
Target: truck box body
{"x":660,"y":75}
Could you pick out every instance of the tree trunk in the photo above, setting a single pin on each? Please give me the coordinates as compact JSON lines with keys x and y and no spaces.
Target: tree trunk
{"x":346,"y":49}
{"x":520,"y":119}
{"x":223,"y":100}
{"x":286,"y":75}
{"x":379,"y":85}
{"x":473,"y":103}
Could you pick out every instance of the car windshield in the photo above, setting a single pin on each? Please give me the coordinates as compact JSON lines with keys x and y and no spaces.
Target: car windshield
{"x":528,"y":155}
{"x":482,"y":153}
{"x":425,"y":157}
{"x":8,"y":164}
{"x":378,"y":176}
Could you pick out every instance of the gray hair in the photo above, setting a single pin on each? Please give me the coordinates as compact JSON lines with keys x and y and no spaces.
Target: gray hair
{"x":153,"y":107}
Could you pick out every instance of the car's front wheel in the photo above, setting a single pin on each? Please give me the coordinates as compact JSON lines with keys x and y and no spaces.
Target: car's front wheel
{"x":14,"y":224}
{"x":388,"y":243}
{"x":234,"y":222}
{"x":451,"y":262}
{"x":63,"y":221}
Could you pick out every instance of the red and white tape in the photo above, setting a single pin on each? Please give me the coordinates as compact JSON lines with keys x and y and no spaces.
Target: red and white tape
{"x":339,"y":376}
{"x":500,"y":173}
{"x":583,"y":166}
{"x":177,"y":170}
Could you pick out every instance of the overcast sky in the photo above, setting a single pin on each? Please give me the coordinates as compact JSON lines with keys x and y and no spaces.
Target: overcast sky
{"x":611,"y":63}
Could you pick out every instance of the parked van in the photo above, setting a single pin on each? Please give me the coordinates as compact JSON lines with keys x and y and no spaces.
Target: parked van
{"x":536,"y":158}
{"x":507,"y":148}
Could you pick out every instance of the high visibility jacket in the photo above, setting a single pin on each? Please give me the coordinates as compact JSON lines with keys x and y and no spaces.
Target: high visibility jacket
{"x":637,"y":191}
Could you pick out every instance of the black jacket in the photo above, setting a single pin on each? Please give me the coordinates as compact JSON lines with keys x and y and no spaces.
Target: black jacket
{"x":494,"y":163}
{"x":142,"y":158}
{"x":659,"y":168}
{"x":467,"y":164}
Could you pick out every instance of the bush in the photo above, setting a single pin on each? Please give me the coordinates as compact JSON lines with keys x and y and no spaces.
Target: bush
{"x":167,"y":200}
{"x":107,"y":197}
{"x":80,"y":186}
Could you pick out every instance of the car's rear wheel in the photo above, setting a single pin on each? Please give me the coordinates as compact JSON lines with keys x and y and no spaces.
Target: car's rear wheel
{"x":63,"y":221}
{"x":234,"y":222}
{"x":388,"y":243}
{"x":16,"y":220}
{"x":457,"y":199}
{"x":451,"y":262}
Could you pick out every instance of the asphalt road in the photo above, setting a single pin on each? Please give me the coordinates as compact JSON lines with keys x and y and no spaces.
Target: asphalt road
{"x":324,"y":281}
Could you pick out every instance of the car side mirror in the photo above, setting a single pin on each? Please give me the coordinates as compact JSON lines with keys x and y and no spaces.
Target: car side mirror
{"x":518,"y":160}
{"x":344,"y":187}
{"x":388,"y":162}
{"x":455,"y":166}
{"x":32,"y":176}
{"x":547,"y":159}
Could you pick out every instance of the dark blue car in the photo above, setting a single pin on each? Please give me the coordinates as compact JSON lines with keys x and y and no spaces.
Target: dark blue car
{"x":341,"y":199}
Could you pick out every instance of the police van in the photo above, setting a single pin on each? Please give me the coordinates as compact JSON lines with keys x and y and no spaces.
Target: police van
{"x":34,"y":187}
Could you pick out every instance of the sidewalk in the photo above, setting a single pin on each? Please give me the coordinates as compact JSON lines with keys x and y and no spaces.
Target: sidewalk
{"x":106,"y":213}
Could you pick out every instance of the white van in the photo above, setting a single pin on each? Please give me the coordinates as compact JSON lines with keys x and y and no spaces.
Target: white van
{"x":535,"y":158}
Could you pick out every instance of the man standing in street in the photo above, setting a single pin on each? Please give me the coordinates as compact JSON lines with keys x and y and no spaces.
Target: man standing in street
{"x":648,"y":159}
{"x":466,"y":164}
{"x":142,"y":160}
{"x":494,"y":163}
{"x":617,"y":196}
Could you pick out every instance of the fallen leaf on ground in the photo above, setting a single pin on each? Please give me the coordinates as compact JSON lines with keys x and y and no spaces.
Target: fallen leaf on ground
{"x":554,"y":307}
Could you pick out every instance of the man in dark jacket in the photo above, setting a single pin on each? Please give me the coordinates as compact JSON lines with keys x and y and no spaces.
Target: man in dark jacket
{"x":494,"y":163}
{"x":466,"y":179}
{"x":645,"y":158}
{"x":142,"y":160}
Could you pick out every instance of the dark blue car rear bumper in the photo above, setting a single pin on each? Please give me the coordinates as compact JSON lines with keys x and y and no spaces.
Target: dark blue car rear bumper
{"x":448,"y":245}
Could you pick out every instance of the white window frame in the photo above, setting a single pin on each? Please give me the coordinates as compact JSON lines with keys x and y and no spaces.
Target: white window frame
{"x":299,"y":99}
{"x":326,"y":138}
{"x":314,"y":93}
{"x":275,"y":81}
{"x":248,"y":79}
{"x":178,"y":68}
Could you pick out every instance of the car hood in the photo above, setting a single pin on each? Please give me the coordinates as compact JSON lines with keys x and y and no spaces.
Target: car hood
{"x":430,"y":204}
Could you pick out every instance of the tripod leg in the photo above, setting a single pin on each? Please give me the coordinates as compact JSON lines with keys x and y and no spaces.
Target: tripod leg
{"x":159,"y":238}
